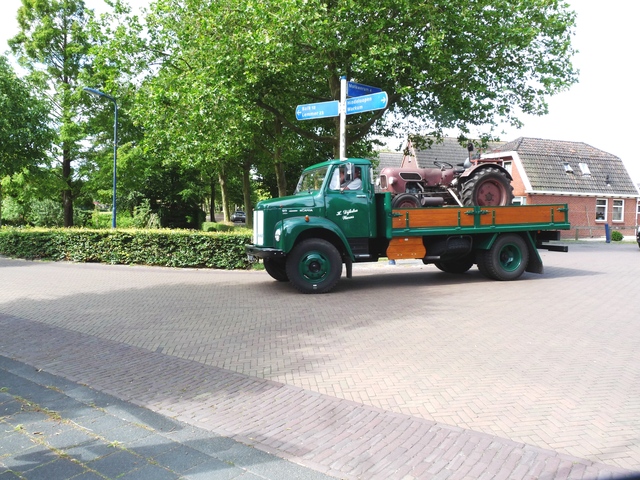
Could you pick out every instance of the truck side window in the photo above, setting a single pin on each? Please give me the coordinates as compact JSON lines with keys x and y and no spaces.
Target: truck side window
{"x":337,"y":178}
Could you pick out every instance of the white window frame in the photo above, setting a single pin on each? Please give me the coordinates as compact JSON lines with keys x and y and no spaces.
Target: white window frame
{"x":618,"y":211}
{"x":599,"y":204}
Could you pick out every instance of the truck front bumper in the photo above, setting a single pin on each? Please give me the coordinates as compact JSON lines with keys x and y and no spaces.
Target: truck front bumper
{"x":254,"y":252}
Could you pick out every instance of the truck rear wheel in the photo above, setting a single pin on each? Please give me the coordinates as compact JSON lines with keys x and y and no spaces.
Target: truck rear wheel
{"x":507,"y":258}
{"x":314,"y":266}
{"x":276,"y":268}
{"x":487,"y":187}
{"x":460,"y":265}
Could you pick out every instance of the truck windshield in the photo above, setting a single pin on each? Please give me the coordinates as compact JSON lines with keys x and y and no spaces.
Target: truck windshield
{"x":311,"y":181}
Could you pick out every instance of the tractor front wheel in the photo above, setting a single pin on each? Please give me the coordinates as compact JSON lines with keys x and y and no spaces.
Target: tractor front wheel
{"x":405,"y":200}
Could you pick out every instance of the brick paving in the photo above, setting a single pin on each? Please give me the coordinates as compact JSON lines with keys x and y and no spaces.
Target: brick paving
{"x":403,"y":372}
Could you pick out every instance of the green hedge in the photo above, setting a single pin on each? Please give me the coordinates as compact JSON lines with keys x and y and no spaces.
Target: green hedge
{"x":170,"y":248}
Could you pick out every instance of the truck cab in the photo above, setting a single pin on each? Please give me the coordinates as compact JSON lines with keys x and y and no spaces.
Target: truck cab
{"x":333,"y":208}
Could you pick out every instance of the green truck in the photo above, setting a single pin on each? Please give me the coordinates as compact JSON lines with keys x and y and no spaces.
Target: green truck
{"x":305,"y":238}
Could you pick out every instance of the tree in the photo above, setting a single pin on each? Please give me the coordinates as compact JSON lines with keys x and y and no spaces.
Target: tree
{"x":25,"y":134}
{"x":445,"y":64}
{"x":53,"y":46}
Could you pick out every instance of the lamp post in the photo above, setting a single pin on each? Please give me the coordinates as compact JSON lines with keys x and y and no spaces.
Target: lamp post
{"x":98,"y":93}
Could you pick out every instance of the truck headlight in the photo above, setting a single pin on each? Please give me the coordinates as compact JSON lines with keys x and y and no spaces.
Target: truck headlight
{"x":276,"y":235}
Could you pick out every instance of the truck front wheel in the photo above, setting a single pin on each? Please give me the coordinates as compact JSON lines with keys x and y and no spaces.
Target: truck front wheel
{"x":276,"y":268}
{"x":314,"y":266}
{"x":507,"y":258}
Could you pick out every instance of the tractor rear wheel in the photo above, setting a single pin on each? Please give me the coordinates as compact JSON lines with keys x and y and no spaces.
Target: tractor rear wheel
{"x":487,"y":187}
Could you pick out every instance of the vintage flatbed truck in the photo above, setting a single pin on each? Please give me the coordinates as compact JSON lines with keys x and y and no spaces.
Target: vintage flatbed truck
{"x":307,"y":237}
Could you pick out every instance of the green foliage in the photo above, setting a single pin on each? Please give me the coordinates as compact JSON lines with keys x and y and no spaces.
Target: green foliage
{"x":45,"y":213}
{"x":218,"y":227}
{"x":616,"y":236}
{"x":168,"y":248}
{"x":25,"y":135}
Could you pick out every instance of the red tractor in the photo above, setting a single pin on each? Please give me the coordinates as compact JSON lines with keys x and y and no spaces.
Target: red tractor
{"x":474,"y":182}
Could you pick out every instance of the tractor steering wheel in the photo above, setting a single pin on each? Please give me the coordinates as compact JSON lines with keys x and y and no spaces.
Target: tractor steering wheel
{"x":442,"y":165}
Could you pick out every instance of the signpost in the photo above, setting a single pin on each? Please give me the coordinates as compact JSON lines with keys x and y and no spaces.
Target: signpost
{"x":311,"y":111}
{"x":358,"y":89}
{"x":367,"y":103}
{"x":364,"y":99}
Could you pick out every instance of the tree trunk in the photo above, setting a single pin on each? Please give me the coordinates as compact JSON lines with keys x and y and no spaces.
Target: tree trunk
{"x":212,"y":205}
{"x":246,"y":192}
{"x":67,"y":193}
{"x":222,"y":180}
{"x":277,"y":161}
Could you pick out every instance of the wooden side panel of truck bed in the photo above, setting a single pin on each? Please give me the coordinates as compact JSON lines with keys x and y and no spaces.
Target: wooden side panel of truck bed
{"x":468,"y":220}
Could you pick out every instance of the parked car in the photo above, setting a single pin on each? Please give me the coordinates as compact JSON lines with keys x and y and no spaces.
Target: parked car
{"x":238,"y":216}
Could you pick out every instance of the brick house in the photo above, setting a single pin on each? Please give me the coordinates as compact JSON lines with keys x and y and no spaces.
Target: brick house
{"x":595,"y":184}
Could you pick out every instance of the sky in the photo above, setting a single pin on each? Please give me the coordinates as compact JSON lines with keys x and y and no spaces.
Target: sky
{"x":601,"y":110}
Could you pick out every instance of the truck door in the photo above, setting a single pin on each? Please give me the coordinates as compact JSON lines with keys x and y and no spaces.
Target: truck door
{"x":349,"y":205}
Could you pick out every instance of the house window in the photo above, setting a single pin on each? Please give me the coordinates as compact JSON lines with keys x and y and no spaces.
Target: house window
{"x":601,"y":209}
{"x":618,"y":211}
{"x":567,"y":168}
{"x":519,"y":200}
{"x":508,"y":166}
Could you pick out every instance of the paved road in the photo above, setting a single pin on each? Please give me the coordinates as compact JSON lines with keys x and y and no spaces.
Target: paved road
{"x":402,"y":372}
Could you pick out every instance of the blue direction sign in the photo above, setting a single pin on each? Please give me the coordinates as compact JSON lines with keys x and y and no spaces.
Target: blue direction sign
{"x":367,"y":103}
{"x":358,"y":89}
{"x":311,"y":111}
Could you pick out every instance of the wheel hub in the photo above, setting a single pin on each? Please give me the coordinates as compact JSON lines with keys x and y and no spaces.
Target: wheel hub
{"x":314,"y":266}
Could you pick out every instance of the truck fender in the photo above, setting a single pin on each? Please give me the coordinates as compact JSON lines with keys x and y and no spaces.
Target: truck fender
{"x":481,"y":166}
{"x":295,"y":229}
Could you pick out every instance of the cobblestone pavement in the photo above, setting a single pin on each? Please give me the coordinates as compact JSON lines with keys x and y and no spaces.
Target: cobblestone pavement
{"x":402,"y":372}
{"x":54,"y":429}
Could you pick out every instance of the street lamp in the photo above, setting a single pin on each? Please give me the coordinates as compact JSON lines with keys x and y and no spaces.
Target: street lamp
{"x":115,"y":144}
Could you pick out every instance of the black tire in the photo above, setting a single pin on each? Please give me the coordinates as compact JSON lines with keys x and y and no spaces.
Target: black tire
{"x":314,"y":266}
{"x":487,"y":187}
{"x":276,"y":268}
{"x":405,"y":200}
{"x":507,"y":258}
{"x":458,"y":266}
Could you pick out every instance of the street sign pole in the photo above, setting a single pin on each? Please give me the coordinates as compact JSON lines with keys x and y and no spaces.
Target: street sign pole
{"x":343,"y":118}
{"x":364,"y":99}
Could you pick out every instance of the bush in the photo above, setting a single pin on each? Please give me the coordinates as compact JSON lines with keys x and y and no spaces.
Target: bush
{"x":616,"y":236}
{"x":170,"y":248}
{"x":216,"y":227}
